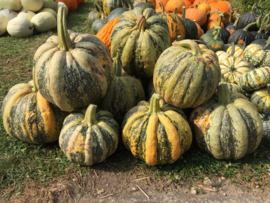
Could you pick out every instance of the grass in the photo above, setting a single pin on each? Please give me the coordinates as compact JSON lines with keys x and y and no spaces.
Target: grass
{"x":22,"y":163}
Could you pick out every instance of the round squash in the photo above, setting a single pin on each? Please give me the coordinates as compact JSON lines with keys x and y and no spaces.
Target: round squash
{"x":44,"y":22}
{"x":232,"y":87}
{"x":236,"y":50}
{"x":49,"y":10}
{"x":3,"y":24}
{"x":189,"y":25}
{"x":224,"y":34}
{"x":9,"y":14}
{"x":145,"y":4}
{"x":229,"y":127}
{"x":213,"y":41}
{"x":20,"y":27}
{"x":52,"y":4}
{"x":199,"y":15}
{"x":72,"y":70}
{"x":125,"y":93}
{"x":27,"y":14}
{"x":138,"y":35}
{"x":186,"y":75}
{"x":261,"y":99}
{"x":94,"y":15}
{"x":257,"y":55}
{"x":156,"y":134}
{"x":116,"y":13}
{"x":32,"y":5}
{"x":99,"y":23}
{"x":14,"y":5}
{"x":247,"y":19}
{"x":110,"y":5}
{"x":172,"y":4}
{"x":29,"y":117}
{"x":266,"y":125}
{"x":89,"y":137}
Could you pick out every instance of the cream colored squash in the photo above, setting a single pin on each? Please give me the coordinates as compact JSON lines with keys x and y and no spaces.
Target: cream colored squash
{"x":20,"y":27}
{"x":32,"y":5}
{"x":9,"y":14}
{"x":50,"y":11}
{"x":14,"y":5}
{"x":3,"y":24}
{"x":44,"y":22}
{"x":62,"y":4}
{"x":27,"y":14}
{"x":52,"y":4}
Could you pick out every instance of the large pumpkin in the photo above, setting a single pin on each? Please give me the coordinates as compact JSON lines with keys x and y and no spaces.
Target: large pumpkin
{"x":90,"y":137}
{"x":138,"y":35}
{"x":199,"y":15}
{"x":257,"y":55}
{"x":261,"y":99}
{"x":29,"y":117}
{"x":125,"y":93}
{"x":228,"y":127}
{"x":72,"y":71}
{"x":156,"y":134}
{"x":186,"y":76}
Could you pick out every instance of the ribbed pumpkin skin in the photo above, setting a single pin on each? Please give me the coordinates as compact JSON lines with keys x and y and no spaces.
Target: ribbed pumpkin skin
{"x":261,"y":99}
{"x":240,"y":36}
{"x":255,"y":54}
{"x":29,"y":117}
{"x":156,"y":138}
{"x":266,"y":125}
{"x":87,"y":145}
{"x":255,"y":79}
{"x":232,"y":67}
{"x":238,"y":51}
{"x":110,"y":5}
{"x":227,"y":131}
{"x":105,"y":32}
{"x":184,"y":79}
{"x":224,"y":34}
{"x":211,"y":42}
{"x":191,"y":29}
{"x":261,"y":42}
{"x":248,"y":18}
{"x":232,"y":28}
{"x":134,"y":46}
{"x":75,"y":78}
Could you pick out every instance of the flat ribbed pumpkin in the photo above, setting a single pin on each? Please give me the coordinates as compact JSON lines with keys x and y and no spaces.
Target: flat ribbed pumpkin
{"x":125,"y":93}
{"x":257,"y":55}
{"x":138,"y":35}
{"x":29,"y":117}
{"x":186,"y":76}
{"x":261,"y":99}
{"x":73,"y":70}
{"x":237,"y":51}
{"x":156,"y":134}
{"x":229,"y":127}
{"x":89,"y":138}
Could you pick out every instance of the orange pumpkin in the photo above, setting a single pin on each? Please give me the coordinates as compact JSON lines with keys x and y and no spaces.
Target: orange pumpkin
{"x":222,"y":6}
{"x":200,"y":30}
{"x":205,"y":6}
{"x":105,"y":33}
{"x":196,"y":14}
{"x":73,"y":5}
{"x":164,"y":2}
{"x":196,"y":2}
{"x":214,"y":17}
{"x":172,"y":4}
{"x":188,"y":4}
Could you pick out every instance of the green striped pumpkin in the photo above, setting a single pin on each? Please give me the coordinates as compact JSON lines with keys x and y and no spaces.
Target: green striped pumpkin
{"x":257,"y":55}
{"x":110,"y":5}
{"x":255,"y":79}
{"x":266,"y":125}
{"x":186,"y":76}
{"x":261,"y":99}
{"x":229,"y":127}
{"x":72,"y":70}
{"x":232,"y":87}
{"x":89,"y":138}
{"x":125,"y":93}
{"x":29,"y":117}
{"x":157,"y":135}
{"x":139,"y":37}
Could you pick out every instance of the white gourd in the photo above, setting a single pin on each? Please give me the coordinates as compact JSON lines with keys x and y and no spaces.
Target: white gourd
{"x":27,"y":14}
{"x":3,"y":24}
{"x":20,"y":27}
{"x":52,"y":4}
{"x":49,"y":10}
{"x":9,"y":14}
{"x":32,"y":5}
{"x":44,"y":22}
{"x":14,"y":5}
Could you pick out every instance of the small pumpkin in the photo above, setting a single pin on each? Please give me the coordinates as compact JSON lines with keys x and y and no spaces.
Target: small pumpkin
{"x":32,"y":5}
{"x":266,"y":125}
{"x":204,"y":6}
{"x":156,"y":134}
{"x":14,"y":5}
{"x":116,"y":13}
{"x":49,"y":10}
{"x":234,"y":27}
{"x":9,"y":14}
{"x":198,"y":15}
{"x":257,"y":55}
{"x":20,"y":27}
{"x":52,"y":4}
{"x":232,"y":87}
{"x":236,"y":50}
{"x":218,"y":22}
{"x":27,"y":14}
{"x":190,"y":26}
{"x":89,"y":137}
{"x":110,"y":5}
{"x":186,"y":75}
{"x":248,"y":18}
{"x":94,"y":15}
{"x":44,"y":22}
{"x":213,"y":41}
{"x":99,"y":23}
{"x":261,"y":99}
{"x":227,"y":127}
{"x":172,"y":4}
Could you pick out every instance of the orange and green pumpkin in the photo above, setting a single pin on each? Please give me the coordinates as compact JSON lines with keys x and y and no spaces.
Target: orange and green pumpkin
{"x":186,"y":75}
{"x":89,"y":137}
{"x":72,"y":70}
{"x":213,"y":41}
{"x":157,"y":134}
{"x":261,"y":99}
{"x":29,"y":117}
{"x":125,"y":93}
{"x":190,"y":26}
{"x":228,"y":127}
{"x":139,"y":37}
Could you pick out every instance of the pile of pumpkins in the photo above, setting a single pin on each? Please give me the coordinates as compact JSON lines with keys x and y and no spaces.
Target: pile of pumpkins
{"x":22,"y":18}
{"x":141,"y":80}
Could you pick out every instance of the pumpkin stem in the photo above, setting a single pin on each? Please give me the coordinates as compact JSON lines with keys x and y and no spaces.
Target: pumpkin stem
{"x":175,"y":10}
{"x":268,"y":43}
{"x":154,"y":107}
{"x":90,"y":115}
{"x":268,"y":89}
{"x":233,"y":49}
{"x":162,"y":8}
{"x":117,"y":66}
{"x":230,"y":18}
{"x":264,"y":21}
{"x":179,"y":38}
{"x":224,"y":96}
{"x":255,"y":23}
{"x":189,"y":44}
{"x":34,"y":88}
{"x":141,"y":24}
{"x":183,"y":12}
{"x":237,"y":19}
{"x":65,"y":43}
{"x":217,"y":31}
{"x":97,"y":7}
{"x":251,"y":66}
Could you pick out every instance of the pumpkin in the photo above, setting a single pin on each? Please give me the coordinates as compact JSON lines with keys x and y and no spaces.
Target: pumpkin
{"x":105,"y":32}
{"x":49,"y":10}
{"x":262,"y":43}
{"x":229,"y":22}
{"x":44,"y":22}
{"x":94,"y":15}
{"x":175,"y":24}
{"x":249,"y":18}
{"x":186,"y":75}
{"x":222,"y":6}
{"x":190,"y":26}
{"x":266,"y":125}
{"x":136,"y":2}
{"x":172,"y":4}
{"x":156,"y":134}
{"x":224,"y":34}
{"x":232,"y":67}
{"x":73,"y":5}
{"x":138,"y":35}
{"x":216,"y":22}
{"x":110,"y":5}
{"x":32,"y":5}
{"x":187,"y":4}
{"x":232,"y":87}
{"x":52,"y":4}
{"x":90,"y":137}
{"x":29,"y":117}
{"x":200,"y":31}
{"x":99,"y":23}
{"x":236,"y":50}
{"x":145,"y":5}
{"x":27,"y":14}
{"x":234,"y":27}
{"x":72,"y":70}
{"x":261,"y":99}
{"x":255,"y":79}
{"x":9,"y":14}
{"x":257,"y":55}
{"x":213,"y":41}
{"x":198,"y":2}
{"x":20,"y":27}
{"x":14,"y":5}
{"x":3,"y":24}
{"x":227,"y":127}
{"x":116,"y":13}
{"x":125,"y":93}
{"x":204,"y":6}
{"x":198,"y":15}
